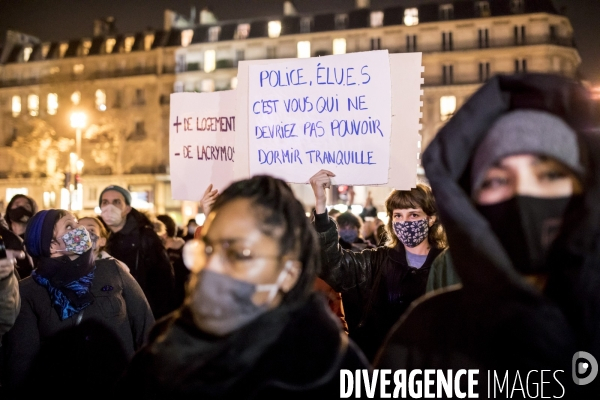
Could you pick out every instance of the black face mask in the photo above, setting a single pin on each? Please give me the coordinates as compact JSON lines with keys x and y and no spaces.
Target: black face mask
{"x":19,"y":214}
{"x":526,"y":227}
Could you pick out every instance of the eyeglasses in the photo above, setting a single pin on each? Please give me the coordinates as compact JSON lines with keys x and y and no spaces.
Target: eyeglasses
{"x":233,"y":252}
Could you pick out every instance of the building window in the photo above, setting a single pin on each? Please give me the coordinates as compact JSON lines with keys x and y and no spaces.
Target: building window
{"x":339,"y":46}
{"x":484,"y":71}
{"x":213,"y":33}
{"x":85,"y":47}
{"x":482,"y":9}
{"x":447,"y":107}
{"x":139,"y":133}
{"x":78,"y":69}
{"x":411,"y":43}
{"x":76,"y":98}
{"x":446,"y":12}
{"x":271,"y":52}
{"x":516,"y":6}
{"x":16,"y":106}
{"x":118,"y":99}
{"x":33,"y":105}
{"x":62,"y":49}
{"x":178,"y":87}
{"x":27,"y":53}
{"x":52,"y":104}
{"x":305,"y":24}
{"x":109,"y":45}
{"x":341,"y":21}
{"x":304,"y":49}
{"x":92,"y":193}
{"x":140,"y":99}
{"x":207,"y":85}
{"x":553,"y":33}
{"x":274,"y":29}
{"x":100,"y":100}
{"x":376,"y":19}
{"x":375,"y":43}
{"x":186,"y":37}
{"x":519,"y":34}
{"x":484,"y":38}
{"x":129,"y":43}
{"x":411,"y":16}
{"x":45,"y":50}
{"x":210,"y":60}
{"x":240,"y":55}
{"x":148,"y":40}
{"x":447,"y":43}
{"x":242,"y":31}
{"x":233,"y":83}
{"x":447,"y":74}
{"x":54,"y":70}
{"x":520,"y":65}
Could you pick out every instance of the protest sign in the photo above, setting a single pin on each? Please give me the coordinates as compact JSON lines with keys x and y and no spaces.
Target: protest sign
{"x":202,"y":142}
{"x":330,"y":112}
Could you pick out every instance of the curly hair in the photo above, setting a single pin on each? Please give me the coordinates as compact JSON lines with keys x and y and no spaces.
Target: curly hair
{"x":418,"y":197}
{"x":280,"y":215}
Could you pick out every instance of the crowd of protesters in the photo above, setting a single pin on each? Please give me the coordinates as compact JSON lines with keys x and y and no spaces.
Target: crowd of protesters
{"x":492,"y":264}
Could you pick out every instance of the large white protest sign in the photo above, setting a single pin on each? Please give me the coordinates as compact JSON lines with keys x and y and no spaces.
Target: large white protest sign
{"x":202,"y":142}
{"x":330,"y":112}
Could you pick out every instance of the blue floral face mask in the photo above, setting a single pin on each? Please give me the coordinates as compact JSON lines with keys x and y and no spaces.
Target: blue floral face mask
{"x":412,"y":233}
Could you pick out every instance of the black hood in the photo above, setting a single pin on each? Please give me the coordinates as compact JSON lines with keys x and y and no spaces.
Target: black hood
{"x":480,"y":260}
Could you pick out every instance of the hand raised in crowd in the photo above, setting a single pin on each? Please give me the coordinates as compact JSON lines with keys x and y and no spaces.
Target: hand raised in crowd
{"x":319,"y":182}
{"x":7,"y":264}
{"x":208,"y":199}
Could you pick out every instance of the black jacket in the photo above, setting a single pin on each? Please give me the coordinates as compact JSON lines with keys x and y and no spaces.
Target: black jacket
{"x":377,"y":285}
{"x":292,"y":352}
{"x":495,"y":320}
{"x":13,"y":242}
{"x":140,"y":248}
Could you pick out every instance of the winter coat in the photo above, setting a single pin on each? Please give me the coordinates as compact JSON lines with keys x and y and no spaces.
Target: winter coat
{"x":140,"y":248}
{"x":291,"y":352}
{"x":10,"y":302}
{"x":14,"y":242}
{"x":495,"y":320}
{"x":119,"y":305}
{"x":377,"y":285}
{"x":442,"y":273}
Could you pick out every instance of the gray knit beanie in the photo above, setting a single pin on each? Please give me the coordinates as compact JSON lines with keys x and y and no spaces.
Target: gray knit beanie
{"x":525,"y":131}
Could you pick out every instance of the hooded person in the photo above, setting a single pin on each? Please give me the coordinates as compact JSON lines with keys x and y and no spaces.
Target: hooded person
{"x":19,"y":210}
{"x":66,"y":288}
{"x":516,"y":176}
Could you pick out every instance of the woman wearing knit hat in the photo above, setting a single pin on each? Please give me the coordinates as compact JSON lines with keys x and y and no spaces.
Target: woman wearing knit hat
{"x":68,"y":287}
{"x":516,"y":176}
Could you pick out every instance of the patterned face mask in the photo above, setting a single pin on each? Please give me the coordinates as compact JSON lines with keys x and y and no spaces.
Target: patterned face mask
{"x":412,"y":233}
{"x":77,"y":241}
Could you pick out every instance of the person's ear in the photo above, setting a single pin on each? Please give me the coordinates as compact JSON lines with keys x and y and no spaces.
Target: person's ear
{"x":126,"y":210}
{"x":293,"y":269}
{"x":431,"y":220}
{"x":101,"y":242}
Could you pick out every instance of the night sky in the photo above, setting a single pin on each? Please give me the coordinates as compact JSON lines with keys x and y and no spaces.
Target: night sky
{"x":65,"y":19}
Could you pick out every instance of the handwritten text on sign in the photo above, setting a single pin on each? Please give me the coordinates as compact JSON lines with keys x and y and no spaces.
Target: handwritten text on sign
{"x":202,"y":138}
{"x":330,"y":112}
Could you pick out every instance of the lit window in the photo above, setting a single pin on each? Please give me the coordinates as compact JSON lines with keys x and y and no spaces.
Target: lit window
{"x":16,"y":106}
{"x":148,"y":40}
{"x":447,"y":107}
{"x":482,"y":8}
{"x":54,"y":70}
{"x":12,"y":192}
{"x":63,"y":49}
{"x":45,"y":50}
{"x":516,"y":6}
{"x":101,"y":100}
{"x":76,"y":98}
{"x":210,"y":60}
{"x":78,"y":68}
{"x":339,"y":46}
{"x":274,"y":29}
{"x":411,"y":16}
{"x":242,"y":31}
{"x":446,"y":12}
{"x":213,"y":33}
{"x":27,"y":53}
{"x":52,"y":103}
{"x":207,"y":85}
{"x":186,"y":37}
{"x":304,"y":49}
{"x":129,"y":43}
{"x":305,"y":24}
{"x":85,"y":47}
{"x":33,"y":105}
{"x":341,"y":21}
{"x":376,"y":19}
{"x":234,"y":82}
{"x":109,"y":45}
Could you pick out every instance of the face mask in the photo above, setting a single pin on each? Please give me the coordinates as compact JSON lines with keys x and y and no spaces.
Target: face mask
{"x":77,"y":241}
{"x":526,"y":227}
{"x":111,"y":215}
{"x":19,"y":214}
{"x":222,"y":304}
{"x":191,"y":230}
{"x":412,"y":233}
{"x":348,"y":235}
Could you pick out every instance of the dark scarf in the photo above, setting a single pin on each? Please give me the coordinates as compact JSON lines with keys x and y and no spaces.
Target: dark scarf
{"x":68,"y":282}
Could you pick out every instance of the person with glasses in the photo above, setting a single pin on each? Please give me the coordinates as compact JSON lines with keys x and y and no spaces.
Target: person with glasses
{"x":252,"y":325}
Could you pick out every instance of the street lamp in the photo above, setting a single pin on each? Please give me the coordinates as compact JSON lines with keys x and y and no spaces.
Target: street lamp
{"x":78,"y":122}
